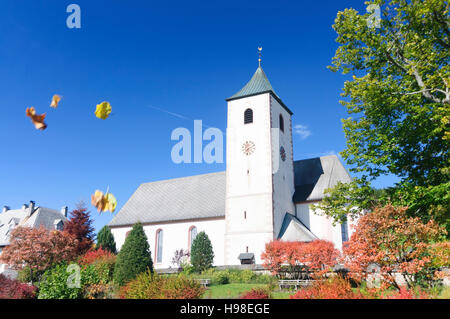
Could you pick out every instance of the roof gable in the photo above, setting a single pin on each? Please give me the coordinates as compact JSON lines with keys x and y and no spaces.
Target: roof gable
{"x":314,"y":175}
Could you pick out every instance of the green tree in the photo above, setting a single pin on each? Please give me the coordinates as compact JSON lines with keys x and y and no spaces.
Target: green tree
{"x":398,"y":99}
{"x":134,"y":257}
{"x":202,"y":255}
{"x":105,"y":240}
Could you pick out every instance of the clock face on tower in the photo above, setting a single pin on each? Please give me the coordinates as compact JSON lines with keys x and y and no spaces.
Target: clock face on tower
{"x":248,"y":148}
{"x":282,"y":153}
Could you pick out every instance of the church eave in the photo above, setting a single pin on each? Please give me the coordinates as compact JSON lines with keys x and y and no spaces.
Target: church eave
{"x":264,"y":92}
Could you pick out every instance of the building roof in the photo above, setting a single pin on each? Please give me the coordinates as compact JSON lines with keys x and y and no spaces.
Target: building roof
{"x":203,"y":196}
{"x":259,"y":83}
{"x":314,"y":175}
{"x":21,"y":217}
{"x":193,"y":197}
{"x":293,"y":229}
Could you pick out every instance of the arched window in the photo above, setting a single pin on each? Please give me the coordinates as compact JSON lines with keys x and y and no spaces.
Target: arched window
{"x":248,"y":116}
{"x":159,"y":245}
{"x":192,"y":235}
{"x":281,"y":123}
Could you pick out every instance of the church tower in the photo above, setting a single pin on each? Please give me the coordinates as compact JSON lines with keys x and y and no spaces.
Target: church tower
{"x":260,"y":173}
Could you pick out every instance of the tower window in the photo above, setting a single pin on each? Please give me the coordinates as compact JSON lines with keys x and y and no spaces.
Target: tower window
{"x":281,"y":123}
{"x":245,"y":214}
{"x":248,"y":116}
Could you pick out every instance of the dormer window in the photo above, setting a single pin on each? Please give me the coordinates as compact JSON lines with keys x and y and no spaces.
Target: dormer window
{"x":281,"y":123}
{"x":248,"y":116}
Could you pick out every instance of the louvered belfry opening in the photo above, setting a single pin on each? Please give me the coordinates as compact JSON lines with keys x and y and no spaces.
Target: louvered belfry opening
{"x":248,"y":116}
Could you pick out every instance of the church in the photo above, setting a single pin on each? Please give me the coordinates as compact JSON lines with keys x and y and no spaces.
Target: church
{"x":263,"y":195}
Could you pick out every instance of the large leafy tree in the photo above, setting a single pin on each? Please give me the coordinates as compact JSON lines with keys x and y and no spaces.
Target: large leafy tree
{"x":398,"y":99}
{"x":134,"y":257}
{"x":105,"y":240}
{"x":80,"y":227}
{"x":202,"y":255}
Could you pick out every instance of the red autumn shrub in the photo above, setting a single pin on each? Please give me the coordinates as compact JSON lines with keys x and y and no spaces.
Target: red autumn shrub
{"x":96,"y":255}
{"x":396,"y":242}
{"x":334,"y":288}
{"x":148,"y":285}
{"x":405,"y":293}
{"x":318,"y":255}
{"x":104,"y":262}
{"x":13,"y":289}
{"x":256,"y":293}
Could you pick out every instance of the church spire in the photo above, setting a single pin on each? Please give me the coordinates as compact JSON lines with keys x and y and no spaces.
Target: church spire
{"x":260,"y":55}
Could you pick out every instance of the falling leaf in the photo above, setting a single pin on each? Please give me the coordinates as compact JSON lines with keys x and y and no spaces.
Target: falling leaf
{"x":55,"y":100}
{"x":97,"y":200}
{"x":38,"y":120}
{"x":111,"y":202}
{"x":103,"y":110}
{"x":104,"y":202}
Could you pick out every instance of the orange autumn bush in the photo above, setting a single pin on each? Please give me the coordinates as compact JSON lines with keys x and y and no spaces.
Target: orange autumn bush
{"x":319,"y":256}
{"x":399,"y":244}
{"x":333,"y":288}
{"x":104,"y":262}
{"x":256,"y":293}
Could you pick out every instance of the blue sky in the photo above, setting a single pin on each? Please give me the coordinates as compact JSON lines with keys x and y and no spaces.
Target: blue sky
{"x":185,"y":57}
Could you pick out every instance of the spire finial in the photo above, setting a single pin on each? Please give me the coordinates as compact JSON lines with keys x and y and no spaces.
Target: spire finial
{"x":259,"y":54}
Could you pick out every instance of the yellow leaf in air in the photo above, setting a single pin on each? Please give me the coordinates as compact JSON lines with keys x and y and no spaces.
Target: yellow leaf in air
{"x":111,"y":202}
{"x":55,"y":100}
{"x":103,"y":110}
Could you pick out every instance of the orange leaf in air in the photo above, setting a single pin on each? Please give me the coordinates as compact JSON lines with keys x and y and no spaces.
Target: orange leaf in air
{"x":38,"y":120}
{"x":98,"y":200}
{"x":55,"y":100}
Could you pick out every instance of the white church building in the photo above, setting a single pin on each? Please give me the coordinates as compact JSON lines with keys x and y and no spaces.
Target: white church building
{"x":263,"y":195}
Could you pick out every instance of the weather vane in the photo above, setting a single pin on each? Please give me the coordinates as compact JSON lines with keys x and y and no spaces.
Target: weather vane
{"x":260,"y":54}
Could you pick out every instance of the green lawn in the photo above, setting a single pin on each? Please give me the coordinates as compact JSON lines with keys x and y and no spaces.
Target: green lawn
{"x":232,"y":291}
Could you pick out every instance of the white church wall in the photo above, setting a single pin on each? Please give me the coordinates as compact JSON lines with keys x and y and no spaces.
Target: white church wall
{"x":319,"y":225}
{"x":176,"y":236}
{"x":283,"y":177}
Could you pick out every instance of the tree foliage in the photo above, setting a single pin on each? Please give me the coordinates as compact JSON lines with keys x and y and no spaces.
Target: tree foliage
{"x":399,"y":103}
{"x":317,"y":256}
{"x":202,"y":255}
{"x":38,"y":249}
{"x":134,"y":256}
{"x":80,"y":227}
{"x":105,"y":240}
{"x":395,"y":242}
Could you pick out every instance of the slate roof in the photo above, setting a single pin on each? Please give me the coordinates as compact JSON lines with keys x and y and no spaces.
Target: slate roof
{"x":314,"y":175}
{"x":293,"y":229}
{"x":40,"y":216}
{"x":258,"y":84}
{"x":203,"y":196}
{"x":193,"y":197}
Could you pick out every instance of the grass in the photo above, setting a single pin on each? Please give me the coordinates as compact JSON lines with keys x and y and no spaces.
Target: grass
{"x":229,"y":291}
{"x":233,"y":291}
